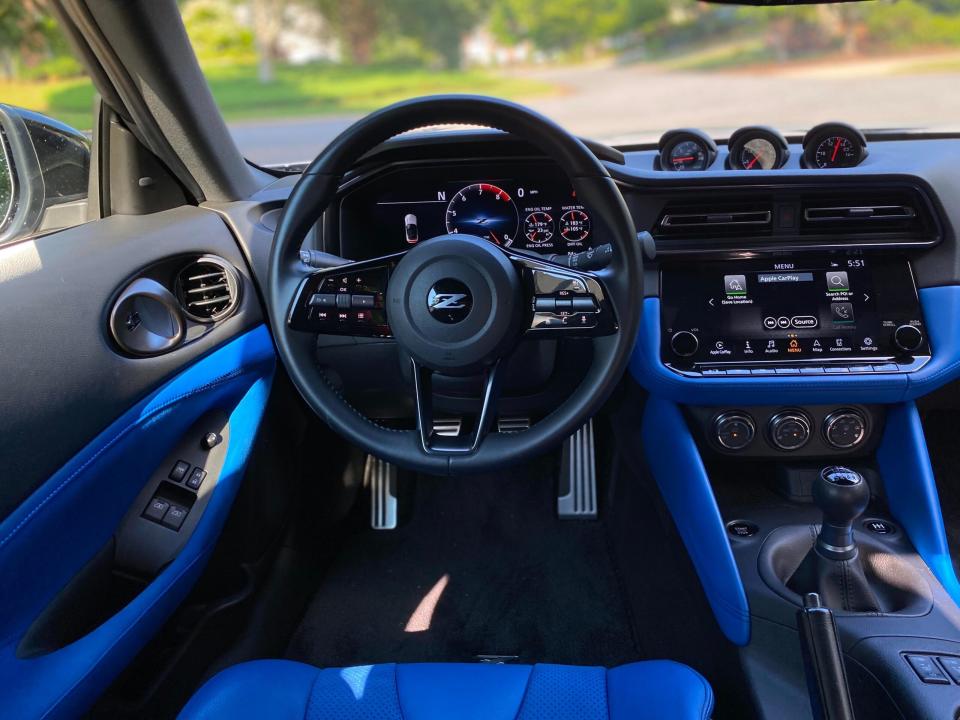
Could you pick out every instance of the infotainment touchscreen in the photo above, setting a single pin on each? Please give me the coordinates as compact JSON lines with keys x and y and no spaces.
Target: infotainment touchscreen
{"x":825,"y":310}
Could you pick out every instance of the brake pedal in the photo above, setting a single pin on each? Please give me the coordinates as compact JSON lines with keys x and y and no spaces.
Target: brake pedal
{"x":381,"y":478}
{"x":577,"y":493}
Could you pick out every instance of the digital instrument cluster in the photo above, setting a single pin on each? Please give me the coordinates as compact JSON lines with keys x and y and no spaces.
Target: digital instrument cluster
{"x":526,"y":207}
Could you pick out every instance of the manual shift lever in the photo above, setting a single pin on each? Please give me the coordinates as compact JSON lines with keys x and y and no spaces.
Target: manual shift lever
{"x":842,"y":494}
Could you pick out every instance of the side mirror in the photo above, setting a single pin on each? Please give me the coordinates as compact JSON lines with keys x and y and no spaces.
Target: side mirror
{"x":44,"y":173}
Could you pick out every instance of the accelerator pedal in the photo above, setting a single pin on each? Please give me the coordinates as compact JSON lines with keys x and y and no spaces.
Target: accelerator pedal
{"x":577,"y":492}
{"x":381,"y":479}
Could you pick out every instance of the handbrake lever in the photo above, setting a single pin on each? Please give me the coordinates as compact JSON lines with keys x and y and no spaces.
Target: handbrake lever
{"x":823,"y":661}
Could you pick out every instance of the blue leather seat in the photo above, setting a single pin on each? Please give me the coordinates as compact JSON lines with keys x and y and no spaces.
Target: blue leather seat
{"x":281,"y":689}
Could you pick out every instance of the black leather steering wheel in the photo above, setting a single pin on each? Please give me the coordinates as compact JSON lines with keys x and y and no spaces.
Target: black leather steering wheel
{"x":457,"y":304}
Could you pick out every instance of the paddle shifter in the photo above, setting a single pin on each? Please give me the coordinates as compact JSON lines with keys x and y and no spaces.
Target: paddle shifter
{"x":832,"y":567}
{"x":842,"y":495}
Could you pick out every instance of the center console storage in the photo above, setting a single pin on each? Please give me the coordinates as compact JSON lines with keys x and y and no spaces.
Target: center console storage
{"x":809,"y":315}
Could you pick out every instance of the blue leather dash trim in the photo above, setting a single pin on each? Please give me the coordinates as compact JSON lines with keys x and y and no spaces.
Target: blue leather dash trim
{"x":912,"y":492}
{"x":941,"y":308}
{"x":65,"y":522}
{"x":676,"y":465}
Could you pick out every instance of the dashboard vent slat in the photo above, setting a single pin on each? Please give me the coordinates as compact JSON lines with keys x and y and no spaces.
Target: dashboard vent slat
{"x":208,"y":289}
{"x":875,"y":213}
{"x":673,"y":220}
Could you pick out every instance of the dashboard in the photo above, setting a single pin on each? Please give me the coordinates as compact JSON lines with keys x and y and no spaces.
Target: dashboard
{"x":529,"y":206}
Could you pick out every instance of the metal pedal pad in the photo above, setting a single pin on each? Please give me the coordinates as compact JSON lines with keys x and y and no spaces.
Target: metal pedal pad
{"x":577,"y":494}
{"x":381,"y":479}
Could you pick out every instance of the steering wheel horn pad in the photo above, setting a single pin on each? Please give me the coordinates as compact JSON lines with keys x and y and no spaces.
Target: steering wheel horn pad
{"x":454,"y":304}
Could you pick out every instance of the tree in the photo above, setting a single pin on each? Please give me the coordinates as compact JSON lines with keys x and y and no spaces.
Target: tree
{"x":440,"y":25}
{"x":27,"y":34}
{"x":267,"y":17}
{"x":357,"y":23}
{"x":567,"y":25}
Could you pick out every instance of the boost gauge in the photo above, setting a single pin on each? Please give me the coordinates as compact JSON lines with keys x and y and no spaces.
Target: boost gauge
{"x":834,"y":145}
{"x":757,"y":148}
{"x":682,"y":150}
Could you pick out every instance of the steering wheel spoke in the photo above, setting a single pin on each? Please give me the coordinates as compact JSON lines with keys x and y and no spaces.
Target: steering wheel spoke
{"x":435,"y":444}
{"x":345,"y":300}
{"x":564,"y":302}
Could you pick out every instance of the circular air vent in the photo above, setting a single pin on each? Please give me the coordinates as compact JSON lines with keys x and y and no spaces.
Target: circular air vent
{"x":208,"y":289}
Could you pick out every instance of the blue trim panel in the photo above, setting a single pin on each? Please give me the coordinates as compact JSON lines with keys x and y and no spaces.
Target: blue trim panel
{"x":64,"y":523}
{"x":941,"y":308}
{"x":912,"y":492}
{"x":676,"y":465}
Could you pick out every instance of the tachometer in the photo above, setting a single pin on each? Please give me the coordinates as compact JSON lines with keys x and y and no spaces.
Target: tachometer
{"x":575,"y":226}
{"x":538,"y":228}
{"x":484,"y":210}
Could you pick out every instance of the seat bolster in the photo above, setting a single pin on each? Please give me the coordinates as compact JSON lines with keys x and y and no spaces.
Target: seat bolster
{"x":276,"y":689}
{"x":656,"y":689}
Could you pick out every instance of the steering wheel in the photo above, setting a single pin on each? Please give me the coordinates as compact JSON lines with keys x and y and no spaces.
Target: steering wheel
{"x":456,"y":304}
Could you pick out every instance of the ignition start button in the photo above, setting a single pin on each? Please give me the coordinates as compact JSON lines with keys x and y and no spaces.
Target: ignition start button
{"x":742,"y":528}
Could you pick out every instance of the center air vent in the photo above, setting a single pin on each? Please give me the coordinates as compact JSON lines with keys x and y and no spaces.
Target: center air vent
{"x":208,"y":289}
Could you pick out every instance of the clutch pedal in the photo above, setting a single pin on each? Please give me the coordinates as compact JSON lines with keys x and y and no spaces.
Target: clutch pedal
{"x":577,"y":492}
{"x":381,"y":478}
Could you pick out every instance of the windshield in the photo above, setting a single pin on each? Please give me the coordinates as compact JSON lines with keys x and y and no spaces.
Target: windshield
{"x":290,"y":75}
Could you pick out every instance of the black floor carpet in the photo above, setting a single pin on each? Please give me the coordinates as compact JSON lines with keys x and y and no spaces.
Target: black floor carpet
{"x":492,"y":571}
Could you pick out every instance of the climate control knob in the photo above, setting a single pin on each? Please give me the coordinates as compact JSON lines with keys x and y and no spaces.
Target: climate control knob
{"x":844,"y":429}
{"x":907,"y":337}
{"x":733,"y":430}
{"x":789,"y":430}
{"x":684,"y":343}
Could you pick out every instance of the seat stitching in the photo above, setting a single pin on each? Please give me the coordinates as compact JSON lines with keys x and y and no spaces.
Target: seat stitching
{"x":606,"y":690}
{"x":142,"y":420}
{"x":313,"y":687}
{"x":396,"y":689}
{"x":526,"y":689}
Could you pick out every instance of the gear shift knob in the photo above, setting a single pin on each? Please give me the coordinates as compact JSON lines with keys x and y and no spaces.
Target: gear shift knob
{"x":842,"y":494}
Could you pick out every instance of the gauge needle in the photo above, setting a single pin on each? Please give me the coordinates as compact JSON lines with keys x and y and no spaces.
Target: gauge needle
{"x":753,"y":162}
{"x":836,"y":146}
{"x":494,"y":237}
{"x":685,"y":158}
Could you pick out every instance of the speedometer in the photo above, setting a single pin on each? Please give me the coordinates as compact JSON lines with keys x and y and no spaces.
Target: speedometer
{"x":484,"y":210}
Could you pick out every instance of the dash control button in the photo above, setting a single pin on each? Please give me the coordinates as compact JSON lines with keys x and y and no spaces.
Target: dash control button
{"x":179,"y":471}
{"x":156,"y":509}
{"x":952,"y":666}
{"x":742,"y":528}
{"x":880,"y":527}
{"x":927,"y":669}
{"x":196,"y":479}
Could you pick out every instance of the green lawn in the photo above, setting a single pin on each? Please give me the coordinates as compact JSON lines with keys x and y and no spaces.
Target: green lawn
{"x":296,"y":91}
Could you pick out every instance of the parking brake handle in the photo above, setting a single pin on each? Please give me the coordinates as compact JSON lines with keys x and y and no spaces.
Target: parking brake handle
{"x":823,"y":661}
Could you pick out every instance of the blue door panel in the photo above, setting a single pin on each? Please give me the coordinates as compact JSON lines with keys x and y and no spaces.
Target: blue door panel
{"x":51,"y":536}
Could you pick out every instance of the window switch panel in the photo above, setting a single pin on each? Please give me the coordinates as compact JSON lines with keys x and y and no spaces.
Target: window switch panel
{"x":156,"y":509}
{"x":175,"y":517}
{"x":179,"y":471}
{"x":196,"y":479}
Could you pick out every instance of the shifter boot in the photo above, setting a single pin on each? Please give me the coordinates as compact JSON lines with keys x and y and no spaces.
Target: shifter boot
{"x":841,"y":584}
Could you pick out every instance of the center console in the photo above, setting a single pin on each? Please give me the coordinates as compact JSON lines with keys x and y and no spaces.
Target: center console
{"x":799,"y":315}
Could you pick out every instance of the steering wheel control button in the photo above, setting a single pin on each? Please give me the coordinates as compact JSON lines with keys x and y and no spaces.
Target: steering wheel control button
{"x":734,"y":430}
{"x":880,"y":527}
{"x":323,"y":300}
{"x":789,"y":430}
{"x":927,"y":669}
{"x":742,"y":528}
{"x":174,"y":517}
{"x":844,"y":429}
{"x":684,"y":343}
{"x":156,"y":509}
{"x":908,"y":338}
{"x":179,"y":471}
{"x":545,"y":303}
{"x":196,"y":479}
{"x":361,"y":301}
{"x":449,"y":301}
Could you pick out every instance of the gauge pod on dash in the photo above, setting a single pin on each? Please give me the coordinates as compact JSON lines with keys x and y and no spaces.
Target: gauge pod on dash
{"x":834,"y":145}
{"x":687,"y":149}
{"x":757,"y":148}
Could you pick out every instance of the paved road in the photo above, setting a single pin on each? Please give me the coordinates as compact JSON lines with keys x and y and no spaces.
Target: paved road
{"x":640,"y":102}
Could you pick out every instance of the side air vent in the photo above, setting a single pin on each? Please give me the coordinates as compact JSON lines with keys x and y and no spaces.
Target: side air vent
{"x":208,"y":289}
{"x":904,"y":213}
{"x":878,"y":213}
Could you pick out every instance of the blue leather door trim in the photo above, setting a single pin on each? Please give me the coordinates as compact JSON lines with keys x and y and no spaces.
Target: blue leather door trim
{"x":941,"y":308}
{"x":912,"y":492}
{"x":676,"y":465}
{"x":66,"y":521}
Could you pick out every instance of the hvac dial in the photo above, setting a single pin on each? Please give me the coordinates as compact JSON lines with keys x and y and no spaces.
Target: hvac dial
{"x":484,"y":210}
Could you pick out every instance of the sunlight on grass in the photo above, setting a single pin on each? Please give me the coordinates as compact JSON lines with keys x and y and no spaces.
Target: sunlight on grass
{"x":295,"y":92}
